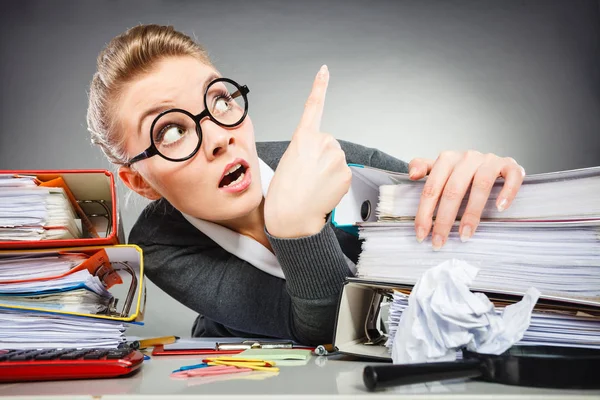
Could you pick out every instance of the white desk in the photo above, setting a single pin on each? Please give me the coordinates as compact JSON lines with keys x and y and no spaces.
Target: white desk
{"x":320,"y":378}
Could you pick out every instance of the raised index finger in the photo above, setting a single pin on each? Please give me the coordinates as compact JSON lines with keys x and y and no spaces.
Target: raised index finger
{"x":313,"y":109}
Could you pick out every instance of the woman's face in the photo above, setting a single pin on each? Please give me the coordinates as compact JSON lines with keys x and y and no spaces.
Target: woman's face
{"x":200,"y":186}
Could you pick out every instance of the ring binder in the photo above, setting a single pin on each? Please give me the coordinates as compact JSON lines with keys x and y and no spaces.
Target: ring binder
{"x":132,"y":286}
{"x":107,"y":215}
{"x":89,"y":297}
{"x":372,"y":333}
{"x":93,"y":192}
{"x":119,"y":258}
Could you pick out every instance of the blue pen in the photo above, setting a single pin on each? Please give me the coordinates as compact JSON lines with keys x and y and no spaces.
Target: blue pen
{"x":188,"y":367}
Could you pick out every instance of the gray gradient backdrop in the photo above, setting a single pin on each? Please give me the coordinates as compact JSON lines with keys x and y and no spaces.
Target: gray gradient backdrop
{"x":413,"y":78}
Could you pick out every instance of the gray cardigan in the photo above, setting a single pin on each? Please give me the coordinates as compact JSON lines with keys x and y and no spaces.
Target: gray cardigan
{"x":232,"y":297}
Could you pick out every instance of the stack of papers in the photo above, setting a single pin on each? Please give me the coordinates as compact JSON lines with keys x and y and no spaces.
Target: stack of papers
{"x":55,"y":282}
{"x":30,"y":330}
{"x":558,"y":259}
{"x":31,"y":212}
{"x":560,"y":196}
{"x":548,"y":239}
{"x":546,"y":328}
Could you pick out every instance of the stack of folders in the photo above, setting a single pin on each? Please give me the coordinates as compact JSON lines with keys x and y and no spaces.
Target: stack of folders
{"x":65,"y":282}
{"x":549,"y":238}
{"x":62,"y":285}
{"x":32,"y":211}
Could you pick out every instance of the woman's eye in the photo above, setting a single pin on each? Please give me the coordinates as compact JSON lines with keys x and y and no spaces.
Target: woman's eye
{"x":221,"y":105}
{"x":171,"y":134}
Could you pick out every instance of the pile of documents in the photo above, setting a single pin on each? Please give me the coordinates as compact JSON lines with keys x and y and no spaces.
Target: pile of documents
{"x":546,"y":327}
{"x":30,"y":330}
{"x":548,"y":239}
{"x":57,"y":281}
{"x":556,"y":258}
{"x":53,"y":281}
{"x":29,"y":211}
{"x":559,"y":196}
{"x":61,"y":283}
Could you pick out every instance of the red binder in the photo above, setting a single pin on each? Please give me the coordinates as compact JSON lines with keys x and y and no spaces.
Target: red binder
{"x":93,"y":195}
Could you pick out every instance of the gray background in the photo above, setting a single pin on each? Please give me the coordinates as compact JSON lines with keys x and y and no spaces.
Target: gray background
{"x":413,"y":78}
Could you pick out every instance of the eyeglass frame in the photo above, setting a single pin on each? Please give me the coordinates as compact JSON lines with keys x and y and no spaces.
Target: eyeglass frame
{"x":152,"y":150}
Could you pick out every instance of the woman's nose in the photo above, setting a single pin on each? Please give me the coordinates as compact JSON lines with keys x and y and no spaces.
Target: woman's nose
{"x":216,"y":139}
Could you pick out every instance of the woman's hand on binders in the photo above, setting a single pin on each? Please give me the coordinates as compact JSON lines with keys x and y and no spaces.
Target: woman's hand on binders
{"x":312,"y":176}
{"x":448,"y":180}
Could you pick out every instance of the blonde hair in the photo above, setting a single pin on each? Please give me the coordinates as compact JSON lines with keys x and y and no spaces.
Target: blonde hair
{"x":125,"y":58}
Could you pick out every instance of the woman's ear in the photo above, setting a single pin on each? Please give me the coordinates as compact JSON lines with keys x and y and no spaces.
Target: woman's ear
{"x":136,"y":182}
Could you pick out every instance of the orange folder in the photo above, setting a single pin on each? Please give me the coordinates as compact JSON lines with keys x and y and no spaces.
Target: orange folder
{"x":109,"y":263}
{"x":96,"y":262}
{"x":96,"y":191}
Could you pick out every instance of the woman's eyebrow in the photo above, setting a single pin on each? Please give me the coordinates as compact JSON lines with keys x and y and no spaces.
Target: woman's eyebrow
{"x":151,"y":111}
{"x":164,"y":106}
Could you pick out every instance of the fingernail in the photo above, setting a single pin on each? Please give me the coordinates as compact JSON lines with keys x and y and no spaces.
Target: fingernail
{"x":412,"y":172}
{"x":523,"y":172}
{"x":502,"y":205}
{"x":466,"y":233}
{"x":323,"y":70}
{"x":437,"y":242}
{"x":420,"y":235}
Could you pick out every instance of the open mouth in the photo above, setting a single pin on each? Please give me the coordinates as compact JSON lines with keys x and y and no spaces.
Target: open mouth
{"x":234,"y":175}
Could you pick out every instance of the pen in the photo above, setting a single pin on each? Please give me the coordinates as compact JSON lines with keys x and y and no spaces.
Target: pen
{"x":188,"y":367}
{"x":141,"y":344}
{"x":256,"y":361}
{"x":253,"y":344}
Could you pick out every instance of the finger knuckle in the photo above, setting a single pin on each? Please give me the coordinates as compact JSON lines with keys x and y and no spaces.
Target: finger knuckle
{"x":490,"y":157}
{"x":452,"y":192}
{"x":300,"y":131}
{"x":443,"y":223}
{"x":509,"y":191}
{"x":447,"y":154}
{"x":424,"y":221}
{"x":471,"y":217}
{"x":347,"y":175}
{"x":471,"y":154}
{"x":483,"y":183}
{"x":328,"y":139}
{"x":415,"y":161}
{"x":511,"y":160}
{"x":312,"y":101}
{"x":429,"y":191}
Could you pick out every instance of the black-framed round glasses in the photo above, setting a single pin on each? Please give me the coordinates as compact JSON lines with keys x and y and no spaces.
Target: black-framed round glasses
{"x":176,"y":134}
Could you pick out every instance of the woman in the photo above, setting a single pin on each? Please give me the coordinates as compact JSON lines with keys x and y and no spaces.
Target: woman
{"x":249,"y":249}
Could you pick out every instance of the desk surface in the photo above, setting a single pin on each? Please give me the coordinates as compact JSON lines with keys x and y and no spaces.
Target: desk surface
{"x":320,"y":377}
